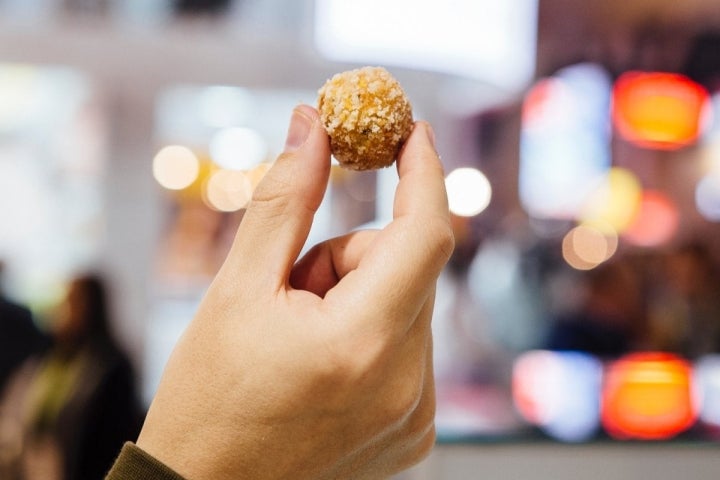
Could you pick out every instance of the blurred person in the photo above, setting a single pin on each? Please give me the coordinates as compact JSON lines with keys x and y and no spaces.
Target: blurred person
{"x":313,"y":369}
{"x":609,"y":315}
{"x":19,"y":335}
{"x":80,"y":404}
{"x":685,"y":311}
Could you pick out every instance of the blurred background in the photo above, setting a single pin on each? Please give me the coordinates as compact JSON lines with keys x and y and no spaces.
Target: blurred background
{"x":577,"y":326}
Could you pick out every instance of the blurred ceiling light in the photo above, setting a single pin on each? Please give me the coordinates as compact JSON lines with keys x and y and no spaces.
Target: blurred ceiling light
{"x":585,"y":247}
{"x":648,"y":396}
{"x":228,"y":190}
{"x":559,"y":392}
{"x":491,"y":41}
{"x":656,"y":221}
{"x":238,"y":148}
{"x":707,"y":197}
{"x":175,"y":167}
{"x":468,"y":190}
{"x":223,"y":106}
{"x":660,"y":110}
{"x":614,"y":201}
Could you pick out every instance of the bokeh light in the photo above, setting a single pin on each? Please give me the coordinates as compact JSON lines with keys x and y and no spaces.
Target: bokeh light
{"x":659,"y":110}
{"x":585,"y":247}
{"x":656,"y":221}
{"x":228,"y":190}
{"x":565,"y":140}
{"x":238,"y":148}
{"x":614,"y":201}
{"x":707,"y":381}
{"x":222,"y":106}
{"x":468,"y":190}
{"x":18,"y":95}
{"x":707,"y":197}
{"x":175,"y":167}
{"x":648,"y":396}
{"x":559,"y":392}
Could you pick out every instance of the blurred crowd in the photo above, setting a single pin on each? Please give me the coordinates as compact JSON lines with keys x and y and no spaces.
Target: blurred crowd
{"x":68,"y":393}
{"x":660,"y":301}
{"x":505,"y":296}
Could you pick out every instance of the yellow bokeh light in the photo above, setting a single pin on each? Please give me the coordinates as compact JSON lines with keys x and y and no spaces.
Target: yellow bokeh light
{"x":175,"y":167}
{"x":228,"y":190}
{"x":615,"y":201}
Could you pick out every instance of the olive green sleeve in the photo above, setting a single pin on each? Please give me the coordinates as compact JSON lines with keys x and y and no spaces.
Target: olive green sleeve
{"x":135,"y":464}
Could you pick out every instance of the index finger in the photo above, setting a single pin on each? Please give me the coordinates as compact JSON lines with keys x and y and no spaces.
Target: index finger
{"x":399,"y":270}
{"x":421,"y":190}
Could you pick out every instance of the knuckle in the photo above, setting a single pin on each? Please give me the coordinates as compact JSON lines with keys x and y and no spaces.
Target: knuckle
{"x":344,"y":365}
{"x":421,"y":448}
{"x":422,"y":420}
{"x":425,"y":446}
{"x":272,"y":197}
{"x":407,"y":398}
{"x":438,"y":236}
{"x":443,"y":237}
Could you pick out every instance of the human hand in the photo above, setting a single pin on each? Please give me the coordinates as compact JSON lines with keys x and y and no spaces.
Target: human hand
{"x":317,"y":369}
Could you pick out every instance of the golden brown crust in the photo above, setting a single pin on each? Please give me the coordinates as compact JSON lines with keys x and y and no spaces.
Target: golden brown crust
{"x":367,"y":116}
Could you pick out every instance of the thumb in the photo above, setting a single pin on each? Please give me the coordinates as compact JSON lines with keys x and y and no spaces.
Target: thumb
{"x":280,"y":214}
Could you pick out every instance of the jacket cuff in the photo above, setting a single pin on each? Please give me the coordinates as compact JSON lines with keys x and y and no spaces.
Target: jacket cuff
{"x":134,"y":463}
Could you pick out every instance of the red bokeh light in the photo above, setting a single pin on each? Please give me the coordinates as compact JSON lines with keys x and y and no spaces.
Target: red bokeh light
{"x":659,"y":110}
{"x":655,"y":223}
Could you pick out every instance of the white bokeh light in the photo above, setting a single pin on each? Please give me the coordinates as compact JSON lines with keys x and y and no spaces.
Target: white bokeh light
{"x":469,"y":191}
{"x":223,"y":106}
{"x":707,"y":197}
{"x":238,"y":148}
{"x":175,"y":167}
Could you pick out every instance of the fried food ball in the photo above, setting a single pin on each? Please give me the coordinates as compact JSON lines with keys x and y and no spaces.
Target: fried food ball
{"x":367,"y":116}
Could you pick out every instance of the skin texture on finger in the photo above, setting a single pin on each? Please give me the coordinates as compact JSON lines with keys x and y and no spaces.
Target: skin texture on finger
{"x":280,"y":214}
{"x":405,"y":258}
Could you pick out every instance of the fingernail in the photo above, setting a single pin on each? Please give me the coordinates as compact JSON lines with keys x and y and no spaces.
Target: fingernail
{"x":298,"y":131}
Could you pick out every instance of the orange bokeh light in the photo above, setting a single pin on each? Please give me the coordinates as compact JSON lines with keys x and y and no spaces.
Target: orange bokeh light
{"x":659,"y":110}
{"x":648,"y":396}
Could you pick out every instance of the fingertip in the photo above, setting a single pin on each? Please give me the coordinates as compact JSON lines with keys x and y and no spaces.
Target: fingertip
{"x":422,"y":176}
{"x":420,"y":146}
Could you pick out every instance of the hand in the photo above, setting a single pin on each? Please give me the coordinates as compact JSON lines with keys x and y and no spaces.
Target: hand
{"x":320,"y":369}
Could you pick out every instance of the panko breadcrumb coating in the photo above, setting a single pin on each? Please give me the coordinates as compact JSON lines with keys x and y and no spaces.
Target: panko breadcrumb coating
{"x":367,"y":116}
